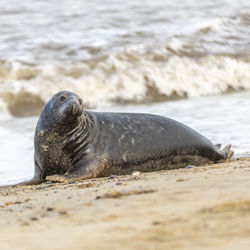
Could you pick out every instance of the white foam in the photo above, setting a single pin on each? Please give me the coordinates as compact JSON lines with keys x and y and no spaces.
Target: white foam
{"x":130,"y":77}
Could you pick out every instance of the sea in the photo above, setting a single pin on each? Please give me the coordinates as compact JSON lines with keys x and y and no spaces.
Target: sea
{"x":188,"y":60}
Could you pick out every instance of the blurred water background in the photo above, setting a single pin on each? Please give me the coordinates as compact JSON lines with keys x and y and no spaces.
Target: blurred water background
{"x":188,"y":60}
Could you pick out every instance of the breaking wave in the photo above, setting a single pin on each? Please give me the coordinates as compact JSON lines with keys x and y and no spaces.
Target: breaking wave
{"x":132,"y":76}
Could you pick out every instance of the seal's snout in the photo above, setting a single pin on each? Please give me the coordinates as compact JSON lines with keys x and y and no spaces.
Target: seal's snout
{"x":74,"y":108}
{"x":80,"y":101}
{"x":77,"y":109}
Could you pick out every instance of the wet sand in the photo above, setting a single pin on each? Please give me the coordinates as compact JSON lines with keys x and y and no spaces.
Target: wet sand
{"x":204,"y":207}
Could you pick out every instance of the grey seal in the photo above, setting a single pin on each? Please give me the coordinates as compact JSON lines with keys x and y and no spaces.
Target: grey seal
{"x":72,"y":143}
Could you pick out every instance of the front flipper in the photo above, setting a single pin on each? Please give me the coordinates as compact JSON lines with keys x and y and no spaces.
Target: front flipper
{"x":82,"y":171}
{"x":67,"y":178}
{"x":57,"y":178}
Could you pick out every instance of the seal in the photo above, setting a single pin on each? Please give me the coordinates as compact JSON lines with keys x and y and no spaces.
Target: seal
{"x":72,"y":143}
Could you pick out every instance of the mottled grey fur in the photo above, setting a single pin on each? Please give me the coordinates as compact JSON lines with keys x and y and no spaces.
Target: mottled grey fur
{"x":73,"y":143}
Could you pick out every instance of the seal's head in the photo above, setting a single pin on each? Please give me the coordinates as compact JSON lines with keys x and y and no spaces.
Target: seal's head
{"x":62,"y":111}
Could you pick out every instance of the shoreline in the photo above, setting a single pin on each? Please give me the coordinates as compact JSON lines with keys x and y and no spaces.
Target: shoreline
{"x":203,"y":207}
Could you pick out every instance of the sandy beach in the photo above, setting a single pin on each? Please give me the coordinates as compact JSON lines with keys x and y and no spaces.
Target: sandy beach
{"x":205,"y":207}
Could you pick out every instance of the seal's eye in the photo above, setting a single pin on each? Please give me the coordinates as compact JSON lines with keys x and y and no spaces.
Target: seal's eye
{"x":62,"y":98}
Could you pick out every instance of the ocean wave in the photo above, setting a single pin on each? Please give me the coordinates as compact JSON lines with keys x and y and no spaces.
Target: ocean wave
{"x":132,"y":76}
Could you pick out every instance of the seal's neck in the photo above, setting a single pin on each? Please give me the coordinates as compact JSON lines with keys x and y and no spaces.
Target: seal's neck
{"x":77,"y":140}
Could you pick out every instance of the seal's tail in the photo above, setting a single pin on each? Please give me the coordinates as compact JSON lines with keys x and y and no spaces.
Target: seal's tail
{"x":228,"y":153}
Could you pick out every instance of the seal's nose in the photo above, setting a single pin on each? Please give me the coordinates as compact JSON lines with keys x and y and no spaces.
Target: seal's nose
{"x":76,"y":109}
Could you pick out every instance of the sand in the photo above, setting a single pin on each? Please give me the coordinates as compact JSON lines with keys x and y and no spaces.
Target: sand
{"x":205,"y":207}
